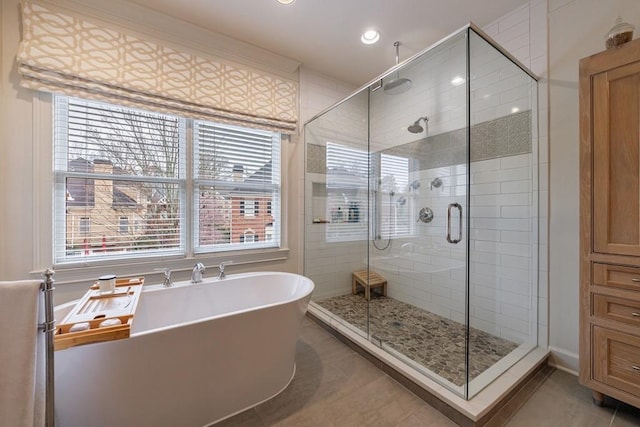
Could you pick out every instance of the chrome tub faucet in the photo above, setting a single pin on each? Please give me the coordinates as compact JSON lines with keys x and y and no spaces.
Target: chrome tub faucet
{"x":197,"y":272}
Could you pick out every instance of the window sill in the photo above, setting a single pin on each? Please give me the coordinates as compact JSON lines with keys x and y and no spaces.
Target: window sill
{"x":180,"y":266}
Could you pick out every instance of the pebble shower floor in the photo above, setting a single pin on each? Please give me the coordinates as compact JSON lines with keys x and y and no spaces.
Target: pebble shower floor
{"x":431,"y":340}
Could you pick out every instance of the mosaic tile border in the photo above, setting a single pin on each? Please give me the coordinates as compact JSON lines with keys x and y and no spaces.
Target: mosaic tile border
{"x":502,"y":137}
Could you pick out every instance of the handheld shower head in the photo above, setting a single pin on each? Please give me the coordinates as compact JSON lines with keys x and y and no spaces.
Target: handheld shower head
{"x":416,"y":128}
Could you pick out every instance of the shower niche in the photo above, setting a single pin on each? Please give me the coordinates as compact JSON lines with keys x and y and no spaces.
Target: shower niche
{"x":433,"y":188}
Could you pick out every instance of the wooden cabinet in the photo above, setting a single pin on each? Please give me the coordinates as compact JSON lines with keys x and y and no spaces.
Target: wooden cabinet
{"x":610,"y":223}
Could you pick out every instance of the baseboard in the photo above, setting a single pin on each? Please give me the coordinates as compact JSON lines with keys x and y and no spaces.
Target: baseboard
{"x":564,"y":360}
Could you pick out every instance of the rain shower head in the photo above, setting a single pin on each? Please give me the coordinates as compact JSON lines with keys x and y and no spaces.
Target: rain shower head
{"x":397,"y":85}
{"x":416,"y":128}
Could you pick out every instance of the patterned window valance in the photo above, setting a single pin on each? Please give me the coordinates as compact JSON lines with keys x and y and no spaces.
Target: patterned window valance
{"x":67,"y":54}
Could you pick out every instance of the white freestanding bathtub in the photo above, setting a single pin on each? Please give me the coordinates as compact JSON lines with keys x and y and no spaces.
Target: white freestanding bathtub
{"x":197,"y":354}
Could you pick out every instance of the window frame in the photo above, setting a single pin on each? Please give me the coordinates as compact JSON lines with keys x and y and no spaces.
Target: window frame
{"x":179,"y":261}
{"x":240,"y":186}
{"x":62,"y":255}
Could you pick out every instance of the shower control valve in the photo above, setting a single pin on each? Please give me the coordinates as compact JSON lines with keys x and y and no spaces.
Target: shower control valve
{"x":425,"y":215}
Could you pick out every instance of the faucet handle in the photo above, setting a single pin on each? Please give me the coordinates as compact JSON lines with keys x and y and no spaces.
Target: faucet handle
{"x":167,"y":276}
{"x":221,"y":268}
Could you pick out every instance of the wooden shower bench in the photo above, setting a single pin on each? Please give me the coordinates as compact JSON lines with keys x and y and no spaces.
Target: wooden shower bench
{"x":368,"y":279}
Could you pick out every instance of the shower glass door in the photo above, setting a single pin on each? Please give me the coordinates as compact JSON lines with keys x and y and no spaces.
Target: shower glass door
{"x":418,"y":206}
{"x":503,"y":213}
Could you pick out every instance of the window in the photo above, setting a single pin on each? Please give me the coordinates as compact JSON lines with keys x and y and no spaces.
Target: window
{"x":235,"y":169}
{"x":249,"y":207}
{"x":115,"y":166}
{"x":84,"y":225}
{"x":124,"y":225}
{"x":249,"y":237}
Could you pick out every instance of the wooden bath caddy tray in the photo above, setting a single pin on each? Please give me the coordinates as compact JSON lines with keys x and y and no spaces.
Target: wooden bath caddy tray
{"x":94,"y":308}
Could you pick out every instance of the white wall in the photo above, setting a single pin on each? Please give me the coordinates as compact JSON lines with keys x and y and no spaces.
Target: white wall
{"x":16,"y":158}
{"x":577,"y":28}
{"x":3,"y":154}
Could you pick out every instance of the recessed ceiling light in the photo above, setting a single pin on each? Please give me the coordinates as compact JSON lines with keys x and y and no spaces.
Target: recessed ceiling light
{"x":370,"y":37}
{"x":457,"y":81}
{"x":515,"y":109}
{"x":285,"y":1}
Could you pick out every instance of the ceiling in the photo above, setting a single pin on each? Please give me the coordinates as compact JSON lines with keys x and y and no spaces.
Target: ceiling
{"x":324,"y":35}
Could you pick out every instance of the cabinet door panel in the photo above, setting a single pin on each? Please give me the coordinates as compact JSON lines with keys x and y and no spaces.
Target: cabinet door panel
{"x":616,"y":359}
{"x":616,"y":164}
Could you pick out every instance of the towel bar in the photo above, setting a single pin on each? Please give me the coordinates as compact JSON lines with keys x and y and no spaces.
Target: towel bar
{"x":48,"y":327}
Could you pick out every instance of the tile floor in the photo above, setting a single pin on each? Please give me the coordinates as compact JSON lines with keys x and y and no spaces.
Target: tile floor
{"x":431,"y":340}
{"x":335,"y":386}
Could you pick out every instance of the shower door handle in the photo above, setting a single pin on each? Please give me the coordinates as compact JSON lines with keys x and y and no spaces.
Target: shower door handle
{"x":449,"y":239}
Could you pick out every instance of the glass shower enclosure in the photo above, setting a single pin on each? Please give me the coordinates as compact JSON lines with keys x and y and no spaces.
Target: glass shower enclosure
{"x":421,"y":212}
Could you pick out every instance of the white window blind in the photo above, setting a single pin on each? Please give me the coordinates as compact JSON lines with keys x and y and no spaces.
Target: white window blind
{"x":113,"y":163}
{"x":121,"y":184}
{"x":236,"y":187}
{"x":347,"y":187}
